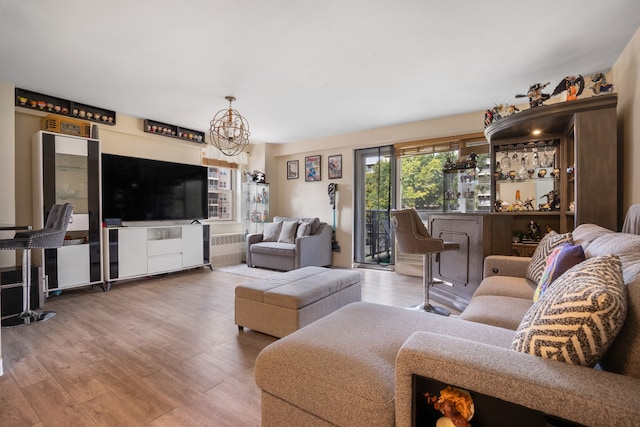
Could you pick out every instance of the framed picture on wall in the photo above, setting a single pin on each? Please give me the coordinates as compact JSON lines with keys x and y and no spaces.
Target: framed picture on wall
{"x":312,"y":168}
{"x":335,"y":166}
{"x":292,"y":169}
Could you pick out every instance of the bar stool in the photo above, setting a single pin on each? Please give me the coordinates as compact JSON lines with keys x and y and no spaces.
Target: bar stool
{"x":49,"y":237}
{"x":413,"y":238}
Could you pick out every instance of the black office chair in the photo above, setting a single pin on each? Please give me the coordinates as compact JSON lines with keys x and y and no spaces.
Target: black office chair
{"x":413,"y":238}
{"x":50,"y":237}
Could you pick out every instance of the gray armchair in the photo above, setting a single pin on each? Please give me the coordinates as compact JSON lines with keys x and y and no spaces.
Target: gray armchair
{"x":313,"y":249}
{"x":49,"y":237}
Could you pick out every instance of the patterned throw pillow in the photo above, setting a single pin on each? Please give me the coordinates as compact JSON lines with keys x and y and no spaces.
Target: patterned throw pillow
{"x":304,"y":229}
{"x":539,"y":259}
{"x":271,"y":231}
{"x":288,"y":232}
{"x":577,"y":318}
{"x":560,"y":260}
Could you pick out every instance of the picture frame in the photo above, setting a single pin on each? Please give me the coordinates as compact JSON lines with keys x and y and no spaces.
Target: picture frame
{"x":312,"y":170}
{"x":335,"y":166}
{"x":292,"y":169}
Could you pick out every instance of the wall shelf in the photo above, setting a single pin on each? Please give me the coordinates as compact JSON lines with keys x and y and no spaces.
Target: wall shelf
{"x":173,"y":131}
{"x":64,"y":107}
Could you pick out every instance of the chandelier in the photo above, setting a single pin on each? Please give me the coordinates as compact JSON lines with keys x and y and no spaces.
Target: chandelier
{"x":229,"y":130}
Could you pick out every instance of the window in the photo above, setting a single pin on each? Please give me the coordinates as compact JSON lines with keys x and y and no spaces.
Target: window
{"x":422,"y":164}
{"x":220,"y":193}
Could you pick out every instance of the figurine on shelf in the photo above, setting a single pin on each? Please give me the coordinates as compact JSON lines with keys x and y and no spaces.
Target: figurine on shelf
{"x":473,"y":159}
{"x":535,"y":95}
{"x":534,"y":230}
{"x":599,"y":84}
{"x":574,"y":85}
{"x":553,"y":201}
{"x":510,"y":109}
{"x":448,"y":165}
{"x":488,"y":118}
{"x":528,"y":204}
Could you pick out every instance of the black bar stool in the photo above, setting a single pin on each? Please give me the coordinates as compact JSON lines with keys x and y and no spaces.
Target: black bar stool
{"x":49,"y":237}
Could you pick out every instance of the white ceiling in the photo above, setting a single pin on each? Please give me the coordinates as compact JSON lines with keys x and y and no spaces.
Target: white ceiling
{"x":303,"y":69}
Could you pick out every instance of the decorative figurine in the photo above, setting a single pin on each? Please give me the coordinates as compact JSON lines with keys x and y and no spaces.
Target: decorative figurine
{"x":599,"y":84}
{"x":534,"y":230}
{"x":510,"y":109}
{"x":553,"y":201}
{"x":448,"y":164}
{"x":528,"y":204}
{"x":473,"y":159}
{"x":535,"y":95}
{"x":573,"y":85}
{"x":488,"y":118}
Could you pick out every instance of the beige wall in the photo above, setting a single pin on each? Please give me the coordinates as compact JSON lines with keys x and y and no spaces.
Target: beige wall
{"x":307,"y":199}
{"x":626,"y":78}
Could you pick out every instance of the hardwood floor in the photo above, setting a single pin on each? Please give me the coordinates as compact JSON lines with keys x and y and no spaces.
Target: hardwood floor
{"x":159,"y":352}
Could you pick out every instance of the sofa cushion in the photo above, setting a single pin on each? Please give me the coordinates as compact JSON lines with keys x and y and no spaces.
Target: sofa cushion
{"x":560,"y":260}
{"x":346,"y":360}
{"x":315,"y":222}
{"x":578,"y":318}
{"x":271,"y":231}
{"x":539,"y":258}
{"x":502,"y":311}
{"x":304,"y":229}
{"x":288,"y":232}
{"x":274,"y":248}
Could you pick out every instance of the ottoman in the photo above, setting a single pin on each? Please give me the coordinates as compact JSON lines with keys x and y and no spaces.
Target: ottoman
{"x":281,"y":305}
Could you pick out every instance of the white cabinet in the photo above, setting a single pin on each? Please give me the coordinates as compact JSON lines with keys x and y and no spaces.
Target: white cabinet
{"x":132,"y":251}
{"x":66,"y":169}
{"x":73,"y":266}
{"x":139,"y":251}
{"x":192,"y":254}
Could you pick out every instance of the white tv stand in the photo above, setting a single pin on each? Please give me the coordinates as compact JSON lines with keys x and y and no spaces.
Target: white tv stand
{"x":132,"y":252}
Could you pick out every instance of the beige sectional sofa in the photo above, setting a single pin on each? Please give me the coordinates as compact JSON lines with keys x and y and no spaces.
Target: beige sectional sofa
{"x":312,"y":248}
{"x":357,"y":365}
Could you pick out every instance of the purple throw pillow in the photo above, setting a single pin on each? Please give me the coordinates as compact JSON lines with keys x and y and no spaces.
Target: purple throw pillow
{"x":559,"y":260}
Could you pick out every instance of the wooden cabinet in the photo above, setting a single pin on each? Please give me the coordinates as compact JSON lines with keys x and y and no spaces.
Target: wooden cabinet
{"x":139,"y":251}
{"x":460,"y":270}
{"x":66,"y":169}
{"x":574,"y":156}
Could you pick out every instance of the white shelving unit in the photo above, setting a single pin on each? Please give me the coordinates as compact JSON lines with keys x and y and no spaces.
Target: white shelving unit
{"x":132,"y":252}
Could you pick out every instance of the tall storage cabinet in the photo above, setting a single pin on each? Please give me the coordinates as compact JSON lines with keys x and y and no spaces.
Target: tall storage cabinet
{"x":255,"y":206}
{"x":576,"y":157}
{"x":66,"y":169}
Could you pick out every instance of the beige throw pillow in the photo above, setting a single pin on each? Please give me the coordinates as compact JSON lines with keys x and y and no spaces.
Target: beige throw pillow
{"x":576,"y":320}
{"x":288,"y":232}
{"x":271,"y":231}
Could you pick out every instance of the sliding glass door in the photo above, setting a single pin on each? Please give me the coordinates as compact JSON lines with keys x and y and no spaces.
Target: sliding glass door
{"x":374,"y":198}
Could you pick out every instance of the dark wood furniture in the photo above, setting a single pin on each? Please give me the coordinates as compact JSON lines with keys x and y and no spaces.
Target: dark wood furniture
{"x":583,"y":137}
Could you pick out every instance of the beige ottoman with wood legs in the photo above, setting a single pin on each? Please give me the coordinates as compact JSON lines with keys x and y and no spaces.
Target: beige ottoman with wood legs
{"x":281,"y":305}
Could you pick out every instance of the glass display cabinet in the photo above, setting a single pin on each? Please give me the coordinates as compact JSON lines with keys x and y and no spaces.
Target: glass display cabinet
{"x":255,"y":206}
{"x":467,"y":189}
{"x":527,"y":177}
{"x":67,"y":170}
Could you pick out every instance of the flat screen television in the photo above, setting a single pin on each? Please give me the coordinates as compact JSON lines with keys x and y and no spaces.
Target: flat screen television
{"x":135,"y":189}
